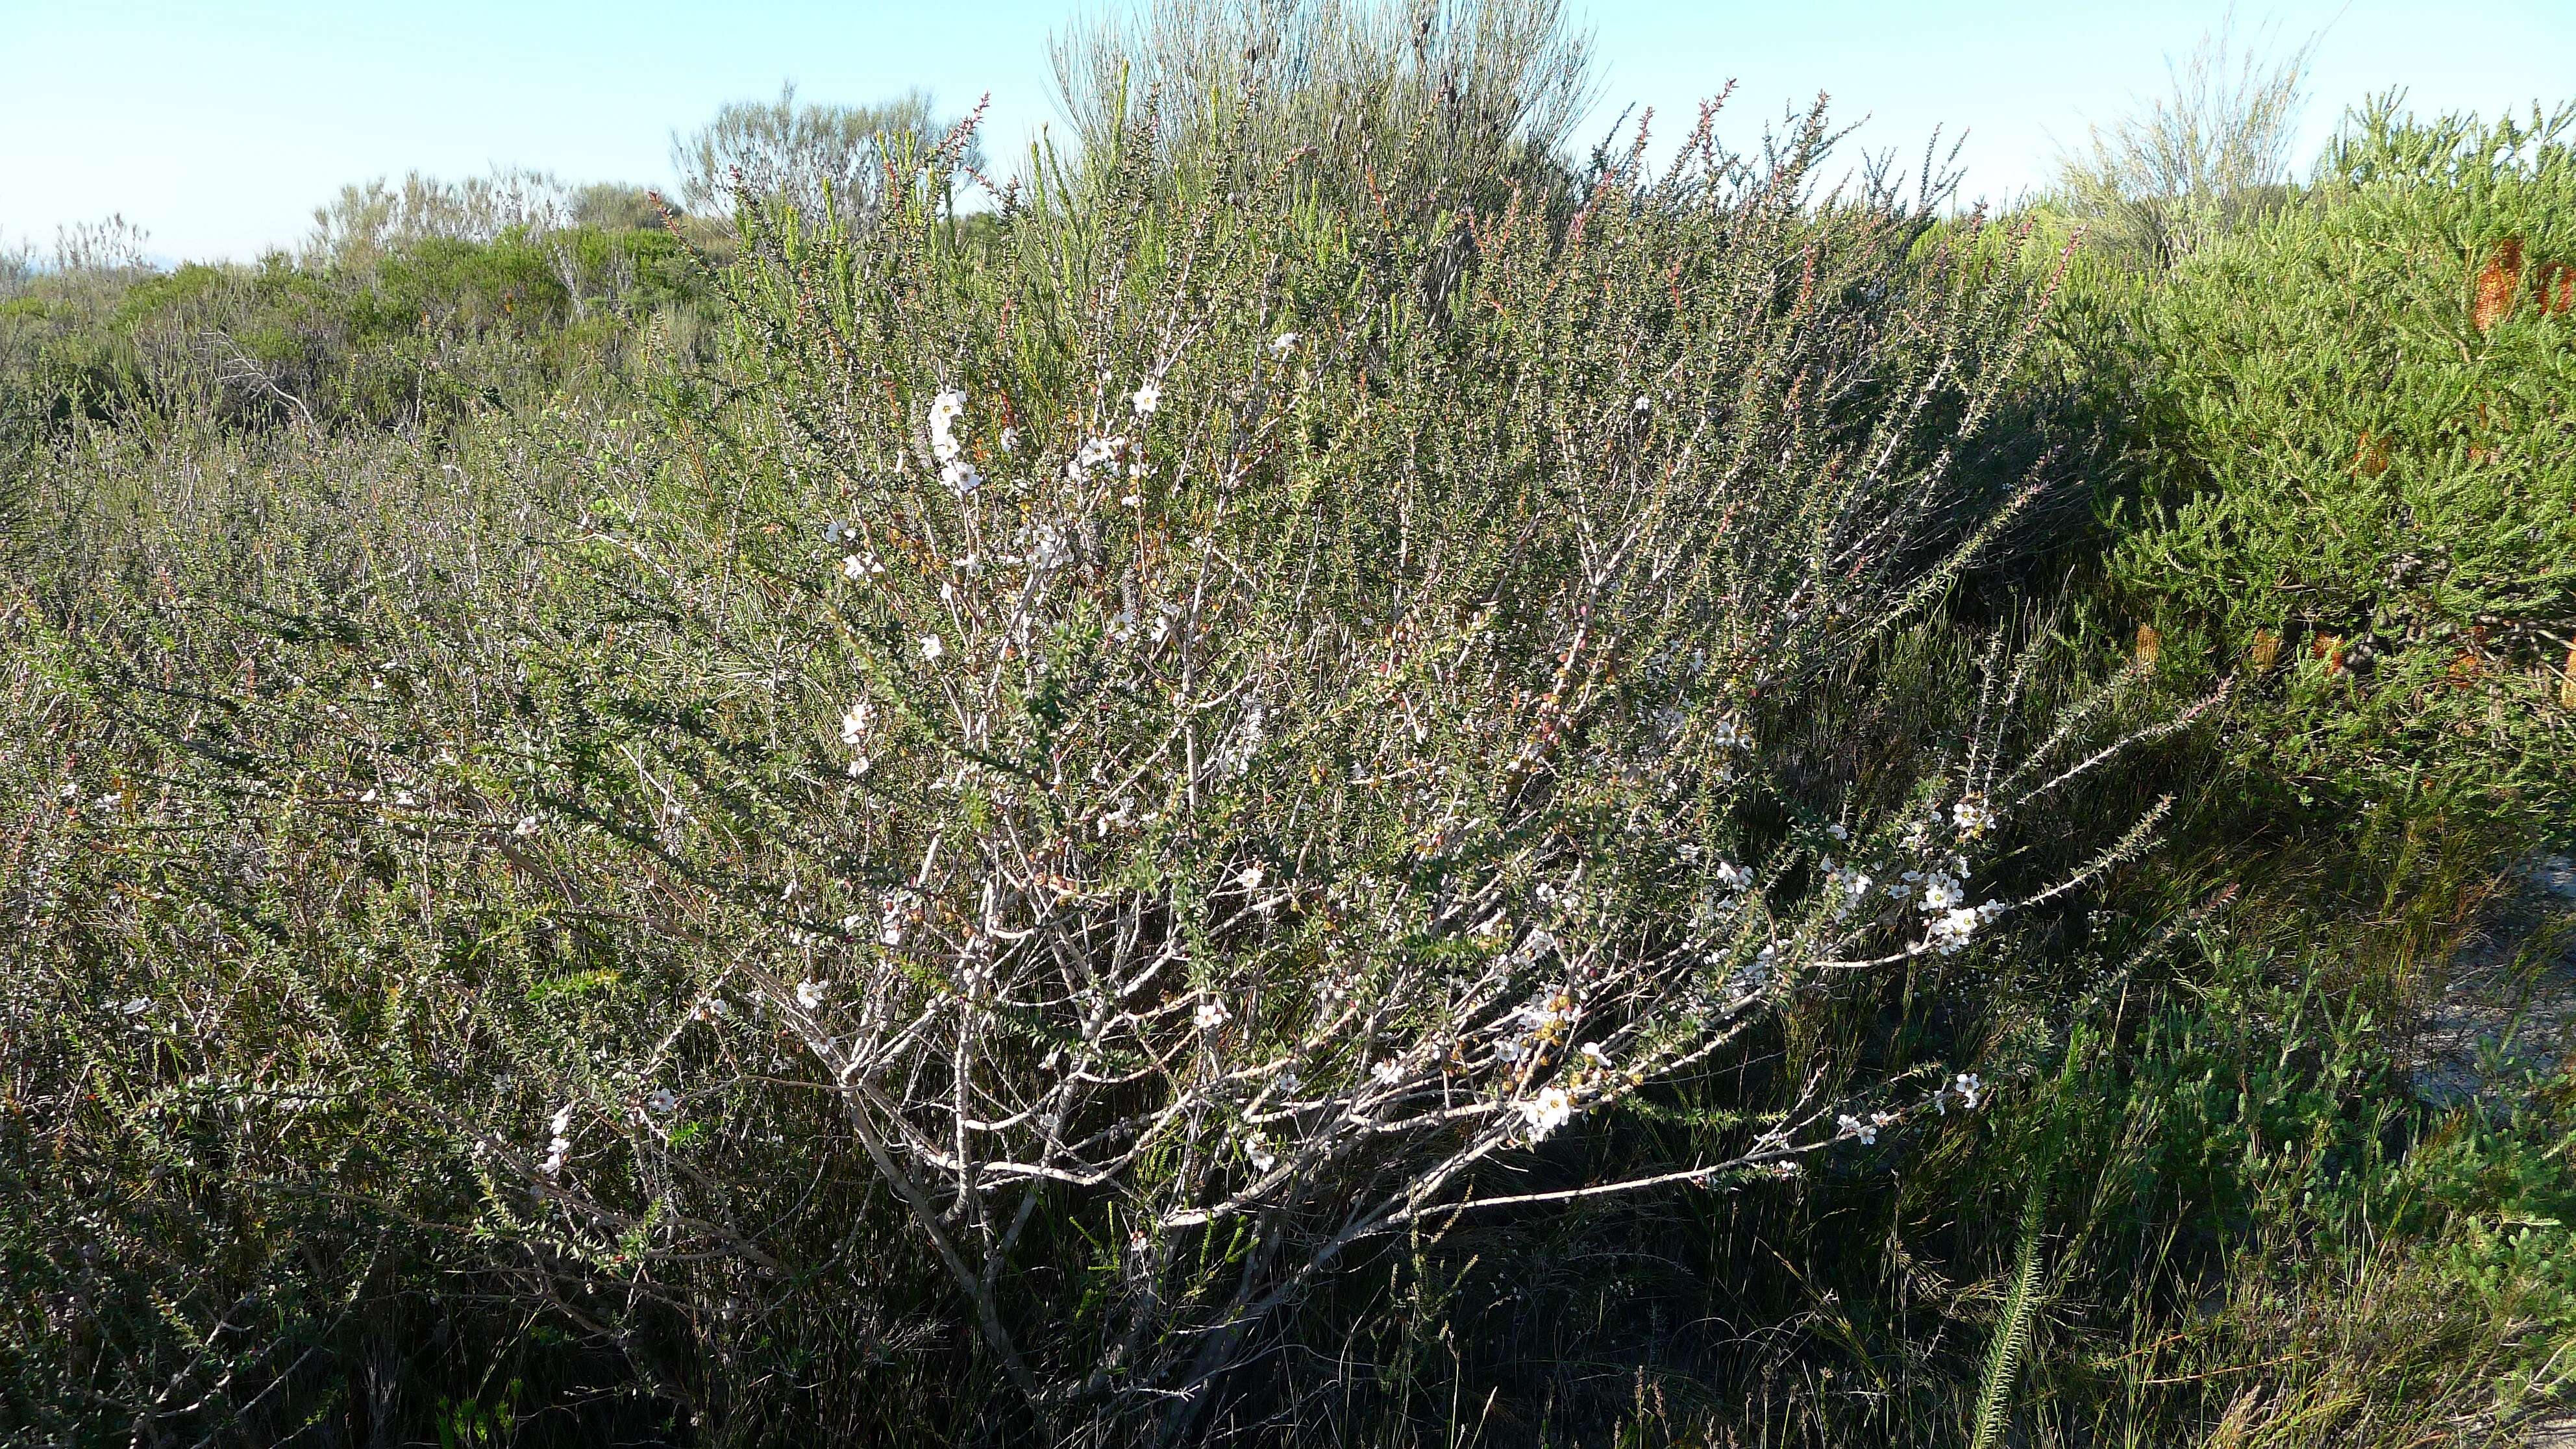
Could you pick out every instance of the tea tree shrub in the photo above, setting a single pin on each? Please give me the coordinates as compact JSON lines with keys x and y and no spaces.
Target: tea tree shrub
{"x":1211,"y":758}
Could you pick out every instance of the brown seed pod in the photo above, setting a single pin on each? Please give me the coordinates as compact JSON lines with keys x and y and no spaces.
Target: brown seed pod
{"x":2266,"y":651}
{"x":2553,"y":286}
{"x":2499,"y":286}
{"x":2371,"y":458}
{"x":2150,"y":644}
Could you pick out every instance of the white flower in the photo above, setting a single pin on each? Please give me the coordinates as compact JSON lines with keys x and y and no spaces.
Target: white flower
{"x":1046,"y":547}
{"x":1837,"y":831}
{"x":1851,"y":1126}
{"x":663,"y":1100}
{"x":1283,"y":344}
{"x":1541,"y":1016}
{"x":1732,"y":876}
{"x":809,"y":994}
{"x":1940,"y":893}
{"x":1593,"y":1053}
{"x":1251,"y":877}
{"x":1643,"y":403}
{"x":1386,"y":1073}
{"x":945,"y":409}
{"x":1970,"y":1087}
{"x":854,"y":725}
{"x":960,"y":477}
{"x":1091,"y":455}
{"x":1951,"y":933}
{"x":931,"y":648}
{"x":1147,"y":398}
{"x":1729,"y":734}
{"x":860,"y":567}
{"x":528,"y":825}
{"x":1210,"y":1015}
{"x":1509,"y":1053}
{"x":1973,"y":816}
{"x":1010,"y":440}
{"x":1257,"y":1148}
{"x":1552,"y":1108}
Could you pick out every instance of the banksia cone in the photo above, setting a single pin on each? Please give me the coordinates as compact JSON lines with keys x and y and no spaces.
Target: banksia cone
{"x":2266,"y":650}
{"x":2371,"y":458}
{"x":2554,"y":287}
{"x":2328,"y":647}
{"x":2150,"y":644}
{"x":2499,"y":286}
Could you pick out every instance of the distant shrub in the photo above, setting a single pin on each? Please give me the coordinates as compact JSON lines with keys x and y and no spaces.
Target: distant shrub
{"x":828,"y":162}
{"x":2358,"y":443}
{"x":2203,"y":161}
{"x":407,"y":333}
{"x":1424,"y":107}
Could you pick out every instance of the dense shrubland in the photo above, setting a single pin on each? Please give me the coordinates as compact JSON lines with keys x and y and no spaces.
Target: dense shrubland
{"x":1216,"y":806}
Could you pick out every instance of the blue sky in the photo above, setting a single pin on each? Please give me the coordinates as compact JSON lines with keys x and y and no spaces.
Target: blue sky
{"x":219,"y":124}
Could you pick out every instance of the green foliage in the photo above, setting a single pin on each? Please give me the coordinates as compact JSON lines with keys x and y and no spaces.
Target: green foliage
{"x":411,"y":336}
{"x":509,"y":926}
{"x":2358,"y":495}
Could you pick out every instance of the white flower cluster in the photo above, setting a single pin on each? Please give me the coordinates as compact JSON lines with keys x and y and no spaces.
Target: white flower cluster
{"x":1849,"y":884}
{"x":1950,"y":932}
{"x":1090,"y":455}
{"x":1973,"y":816}
{"x":1552,"y":1108}
{"x":1043,"y":547}
{"x":559,"y":1149}
{"x":1865,"y":1129}
{"x":954,"y":471}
